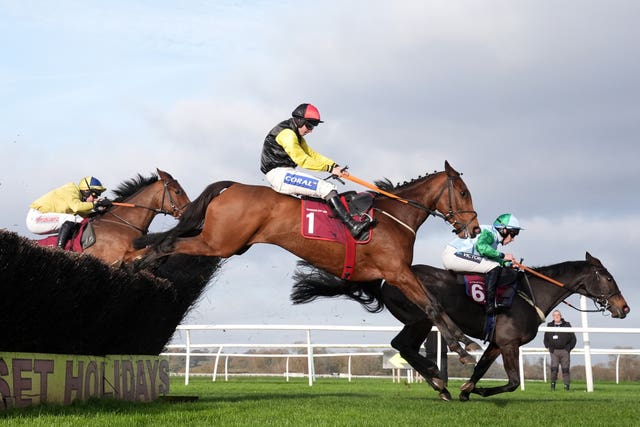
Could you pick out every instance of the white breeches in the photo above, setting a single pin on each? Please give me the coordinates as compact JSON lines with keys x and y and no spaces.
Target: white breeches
{"x":454,"y":262}
{"x":47,"y":223}
{"x":290,"y":181}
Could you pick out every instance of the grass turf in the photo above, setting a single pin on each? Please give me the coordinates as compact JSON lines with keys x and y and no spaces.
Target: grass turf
{"x":336,"y":402}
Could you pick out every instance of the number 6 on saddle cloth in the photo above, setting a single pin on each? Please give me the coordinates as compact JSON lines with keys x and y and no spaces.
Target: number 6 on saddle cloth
{"x":505,"y":291}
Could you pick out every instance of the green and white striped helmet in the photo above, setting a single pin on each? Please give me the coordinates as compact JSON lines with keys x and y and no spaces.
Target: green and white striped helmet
{"x":507,"y":221}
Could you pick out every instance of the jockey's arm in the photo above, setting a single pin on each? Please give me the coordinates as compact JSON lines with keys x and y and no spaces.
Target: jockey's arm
{"x":302,"y":154}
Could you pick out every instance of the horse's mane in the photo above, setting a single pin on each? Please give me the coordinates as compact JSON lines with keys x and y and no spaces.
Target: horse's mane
{"x":130,"y":187}
{"x":557,"y":269}
{"x":386,"y":185}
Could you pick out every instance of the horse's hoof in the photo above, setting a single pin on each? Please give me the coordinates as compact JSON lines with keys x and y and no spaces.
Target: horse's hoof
{"x":436,"y":383}
{"x":445,"y":395}
{"x":467,"y":387}
{"x":468,"y":360}
{"x":472,"y":346}
{"x":464,"y":397}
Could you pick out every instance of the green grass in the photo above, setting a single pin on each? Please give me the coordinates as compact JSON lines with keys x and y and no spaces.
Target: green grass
{"x":335,"y":402}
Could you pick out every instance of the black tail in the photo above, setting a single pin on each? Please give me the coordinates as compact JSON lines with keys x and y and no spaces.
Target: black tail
{"x":190,"y":223}
{"x":312,"y":282}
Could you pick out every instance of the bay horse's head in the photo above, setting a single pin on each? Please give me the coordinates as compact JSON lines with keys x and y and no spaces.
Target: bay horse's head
{"x":174,"y":198}
{"x":599,"y":285}
{"x":442,"y":194}
{"x":455,"y":204}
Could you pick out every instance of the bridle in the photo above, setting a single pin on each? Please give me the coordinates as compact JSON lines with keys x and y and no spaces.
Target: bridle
{"x":600,"y":301}
{"x":175,"y":211}
{"x":458,"y":226}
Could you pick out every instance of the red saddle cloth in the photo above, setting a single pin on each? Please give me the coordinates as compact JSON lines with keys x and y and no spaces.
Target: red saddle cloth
{"x":318,"y":223}
{"x":477,"y":290}
{"x":74,"y":244}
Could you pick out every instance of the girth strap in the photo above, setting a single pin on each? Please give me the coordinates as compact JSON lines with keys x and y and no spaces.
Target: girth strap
{"x":349,"y":256}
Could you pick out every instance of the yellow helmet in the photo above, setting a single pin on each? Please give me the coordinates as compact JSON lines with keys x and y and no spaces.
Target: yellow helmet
{"x":90,"y":183}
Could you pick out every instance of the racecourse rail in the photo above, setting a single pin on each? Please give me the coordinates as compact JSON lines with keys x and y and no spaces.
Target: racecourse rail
{"x":187,"y":349}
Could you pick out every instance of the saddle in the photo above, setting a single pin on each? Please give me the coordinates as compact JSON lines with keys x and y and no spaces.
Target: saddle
{"x":318,"y":223}
{"x":83,"y":237}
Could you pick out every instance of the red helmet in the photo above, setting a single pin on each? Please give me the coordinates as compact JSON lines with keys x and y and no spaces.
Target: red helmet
{"x":307,"y":112}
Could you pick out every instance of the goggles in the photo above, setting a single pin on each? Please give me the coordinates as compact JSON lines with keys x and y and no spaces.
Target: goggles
{"x":513,"y":232}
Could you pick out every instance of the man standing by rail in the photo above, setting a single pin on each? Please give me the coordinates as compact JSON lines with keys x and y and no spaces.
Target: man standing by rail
{"x":560,"y":345}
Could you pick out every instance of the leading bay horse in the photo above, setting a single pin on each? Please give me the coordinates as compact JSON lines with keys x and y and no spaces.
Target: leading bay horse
{"x":143,"y":199}
{"x":514,"y":328}
{"x":229,"y":217}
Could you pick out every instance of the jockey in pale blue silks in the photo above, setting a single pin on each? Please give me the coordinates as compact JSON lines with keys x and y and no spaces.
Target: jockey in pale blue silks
{"x":481,"y":255}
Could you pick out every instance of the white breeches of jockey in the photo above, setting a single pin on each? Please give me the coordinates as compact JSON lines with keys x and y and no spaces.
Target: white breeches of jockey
{"x":290,"y":181}
{"x":47,"y":223}
{"x":469,"y":263}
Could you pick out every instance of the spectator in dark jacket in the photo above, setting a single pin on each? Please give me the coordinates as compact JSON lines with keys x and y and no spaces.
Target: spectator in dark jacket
{"x":560,"y":345}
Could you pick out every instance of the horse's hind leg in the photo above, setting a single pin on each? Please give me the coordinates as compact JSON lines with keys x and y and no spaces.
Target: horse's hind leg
{"x":487,"y":359}
{"x":511,"y":362}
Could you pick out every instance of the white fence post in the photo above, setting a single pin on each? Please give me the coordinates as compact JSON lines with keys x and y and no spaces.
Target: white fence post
{"x":588,"y":370}
{"x":188,"y":358}
{"x":310,"y":357}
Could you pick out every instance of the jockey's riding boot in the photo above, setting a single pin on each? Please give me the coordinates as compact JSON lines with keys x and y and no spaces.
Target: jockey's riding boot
{"x":355,"y":227}
{"x":490,"y":282}
{"x":64,"y":234}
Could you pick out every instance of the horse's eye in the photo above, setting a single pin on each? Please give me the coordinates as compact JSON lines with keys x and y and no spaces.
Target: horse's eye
{"x":463,"y":193}
{"x":178,"y":192}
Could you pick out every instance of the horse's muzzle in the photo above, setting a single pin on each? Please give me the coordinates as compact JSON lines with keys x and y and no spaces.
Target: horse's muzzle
{"x":619,"y":312}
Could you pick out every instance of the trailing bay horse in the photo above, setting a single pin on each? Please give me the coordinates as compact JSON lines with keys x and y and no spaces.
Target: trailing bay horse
{"x":514,"y":328}
{"x":229,"y":217}
{"x":143,"y":199}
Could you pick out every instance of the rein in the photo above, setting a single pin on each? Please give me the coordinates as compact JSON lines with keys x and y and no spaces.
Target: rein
{"x":598,"y":301}
{"x":457,"y":226}
{"x":175,"y":211}
{"x":535,"y":273}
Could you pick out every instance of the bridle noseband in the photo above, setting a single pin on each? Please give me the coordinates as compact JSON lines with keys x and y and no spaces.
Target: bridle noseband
{"x":600,"y":301}
{"x":458,"y":227}
{"x":166,"y":193}
{"x":175,"y":210}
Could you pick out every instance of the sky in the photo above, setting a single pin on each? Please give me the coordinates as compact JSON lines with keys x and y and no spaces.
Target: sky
{"x":535,"y":102}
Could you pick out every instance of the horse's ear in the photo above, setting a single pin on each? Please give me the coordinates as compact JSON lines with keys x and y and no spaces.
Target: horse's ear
{"x":592,"y":260}
{"x":161,"y":174}
{"x":449,"y":169}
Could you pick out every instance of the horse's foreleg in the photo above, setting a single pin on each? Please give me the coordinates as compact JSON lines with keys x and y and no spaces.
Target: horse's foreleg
{"x":414,"y":291}
{"x":469,"y":344}
{"x":488,"y":357}
{"x":408,"y":343}
{"x":133,"y":255}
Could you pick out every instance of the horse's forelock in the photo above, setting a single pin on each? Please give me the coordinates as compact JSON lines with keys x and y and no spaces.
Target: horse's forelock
{"x":132,"y":186}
